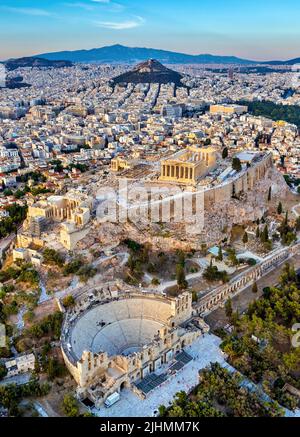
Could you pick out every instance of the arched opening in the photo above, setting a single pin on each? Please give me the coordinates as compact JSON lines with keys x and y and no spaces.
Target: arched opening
{"x":125,"y":384}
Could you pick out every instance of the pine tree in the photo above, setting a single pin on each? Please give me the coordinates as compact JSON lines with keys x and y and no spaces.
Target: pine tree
{"x":279,"y":208}
{"x":228,"y":308}
{"x":257,"y":232}
{"x":270,"y":194}
{"x":220,"y":254}
{"x":254,"y":288}
{"x":180,"y":276}
{"x":265,"y":235}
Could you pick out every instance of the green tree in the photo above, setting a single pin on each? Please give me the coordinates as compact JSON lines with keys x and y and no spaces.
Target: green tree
{"x":3,"y":371}
{"x":220,"y":254}
{"x":181,"y":257}
{"x":265,"y":235}
{"x":155,"y":281}
{"x":298,"y":224}
{"x":236,"y":164}
{"x":225,"y":153}
{"x":70,"y":406}
{"x":228,"y":308}
{"x":51,"y":257}
{"x":180,"y":276}
{"x":254,"y":288}
{"x":245,"y":238}
{"x":232,"y":258}
{"x":270,"y":194}
{"x":279,"y":208}
{"x":194,"y":296}
{"x":68,"y":301}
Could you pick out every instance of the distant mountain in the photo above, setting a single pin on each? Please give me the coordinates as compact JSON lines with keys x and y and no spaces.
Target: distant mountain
{"x":12,"y":64}
{"x":290,"y":62}
{"x":122,"y":54}
{"x":150,"y":71}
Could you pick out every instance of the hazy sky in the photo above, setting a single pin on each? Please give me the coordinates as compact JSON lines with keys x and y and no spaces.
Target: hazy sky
{"x":257,"y":29}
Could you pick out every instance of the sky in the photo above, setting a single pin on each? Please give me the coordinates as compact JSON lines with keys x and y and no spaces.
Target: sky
{"x":256,"y":29}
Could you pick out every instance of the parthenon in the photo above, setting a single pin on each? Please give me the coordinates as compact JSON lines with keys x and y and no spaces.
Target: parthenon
{"x":189,"y":165}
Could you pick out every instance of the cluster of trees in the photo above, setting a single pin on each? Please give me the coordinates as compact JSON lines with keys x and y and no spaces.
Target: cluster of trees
{"x":53,"y":257}
{"x":24,"y":273}
{"x":17,"y":215}
{"x":19,"y":194}
{"x":9,"y":273}
{"x":73,"y":266}
{"x":86,"y":272}
{"x":287,"y":232}
{"x":11,"y":395}
{"x":212,"y":273}
{"x":36,"y":176}
{"x":78,"y":267}
{"x":288,"y":113}
{"x":264,"y":237}
{"x":49,"y":364}
{"x":81,"y":167}
{"x":220,"y":393}
{"x":57,"y":165}
{"x":29,"y":275}
{"x":139,"y":256}
{"x":50,"y":327}
{"x":260,"y":345}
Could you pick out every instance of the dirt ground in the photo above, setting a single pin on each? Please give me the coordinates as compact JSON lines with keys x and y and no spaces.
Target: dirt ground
{"x":53,"y":401}
{"x":44,"y":309}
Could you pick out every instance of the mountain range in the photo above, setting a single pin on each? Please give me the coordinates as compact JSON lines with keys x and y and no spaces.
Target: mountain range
{"x":13,"y":64}
{"x":122,"y":54}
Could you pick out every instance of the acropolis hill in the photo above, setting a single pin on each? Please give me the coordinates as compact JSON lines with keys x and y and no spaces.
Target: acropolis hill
{"x":230,"y":197}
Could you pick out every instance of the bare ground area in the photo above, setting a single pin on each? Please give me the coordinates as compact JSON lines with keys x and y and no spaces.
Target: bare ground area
{"x":44,"y":309}
{"x":53,"y":401}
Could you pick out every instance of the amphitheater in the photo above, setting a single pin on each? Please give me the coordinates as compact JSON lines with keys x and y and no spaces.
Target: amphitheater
{"x":124,"y":340}
{"x":120,"y":327}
